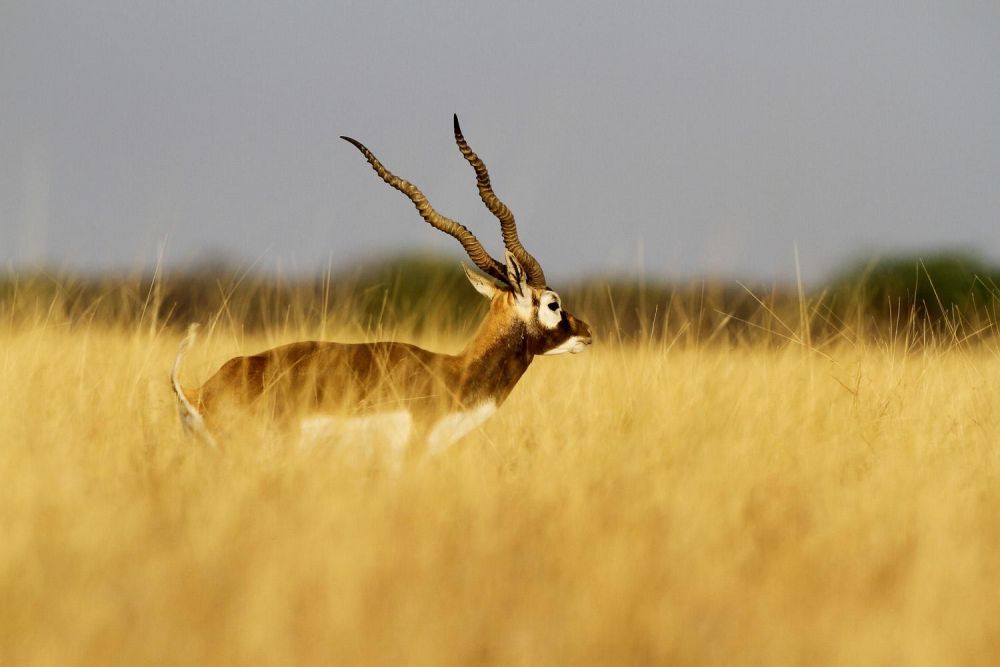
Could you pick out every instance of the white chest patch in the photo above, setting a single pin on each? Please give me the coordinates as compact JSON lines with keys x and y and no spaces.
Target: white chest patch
{"x":389,"y":430}
{"x":452,"y":427}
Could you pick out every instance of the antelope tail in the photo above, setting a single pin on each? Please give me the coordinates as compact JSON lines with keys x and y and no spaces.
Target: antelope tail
{"x":191,"y":419}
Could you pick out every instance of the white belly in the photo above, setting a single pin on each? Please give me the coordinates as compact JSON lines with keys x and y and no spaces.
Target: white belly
{"x":389,"y":431}
{"x":385,"y":431}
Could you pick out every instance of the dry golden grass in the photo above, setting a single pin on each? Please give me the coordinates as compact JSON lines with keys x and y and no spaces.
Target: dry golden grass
{"x":636,"y":504}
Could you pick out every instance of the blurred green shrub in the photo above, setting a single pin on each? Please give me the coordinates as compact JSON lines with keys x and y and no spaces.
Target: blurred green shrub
{"x":949,"y":287}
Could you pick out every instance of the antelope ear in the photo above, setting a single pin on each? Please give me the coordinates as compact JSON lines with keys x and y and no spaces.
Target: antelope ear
{"x":483,"y":285}
{"x":515,"y":274}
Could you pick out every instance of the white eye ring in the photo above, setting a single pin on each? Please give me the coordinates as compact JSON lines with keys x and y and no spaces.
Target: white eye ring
{"x":553,"y":305}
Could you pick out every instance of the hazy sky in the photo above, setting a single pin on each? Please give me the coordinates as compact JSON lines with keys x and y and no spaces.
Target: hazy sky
{"x":675,"y":137}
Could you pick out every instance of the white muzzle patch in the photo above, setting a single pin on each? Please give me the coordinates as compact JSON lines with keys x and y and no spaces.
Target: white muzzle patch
{"x":573,"y":345}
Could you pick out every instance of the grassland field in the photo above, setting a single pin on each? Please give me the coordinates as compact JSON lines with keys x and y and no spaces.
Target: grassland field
{"x":649,"y":502}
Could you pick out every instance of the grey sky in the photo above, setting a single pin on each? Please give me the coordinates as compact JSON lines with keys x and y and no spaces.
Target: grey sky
{"x":680,"y":138}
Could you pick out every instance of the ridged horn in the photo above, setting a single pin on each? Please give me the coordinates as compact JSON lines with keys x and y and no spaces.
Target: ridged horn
{"x":472,"y":246}
{"x":508,"y":227}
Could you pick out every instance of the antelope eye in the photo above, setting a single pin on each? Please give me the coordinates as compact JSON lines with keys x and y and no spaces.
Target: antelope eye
{"x":553,"y":306}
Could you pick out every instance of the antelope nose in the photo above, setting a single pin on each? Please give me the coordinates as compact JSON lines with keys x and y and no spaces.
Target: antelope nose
{"x":584,"y":338}
{"x":580,"y":344}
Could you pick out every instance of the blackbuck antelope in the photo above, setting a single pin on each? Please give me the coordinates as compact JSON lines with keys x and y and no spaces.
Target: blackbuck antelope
{"x":410,"y":394}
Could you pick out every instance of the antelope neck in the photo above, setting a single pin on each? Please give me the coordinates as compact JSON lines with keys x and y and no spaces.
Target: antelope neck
{"x":495,"y":359}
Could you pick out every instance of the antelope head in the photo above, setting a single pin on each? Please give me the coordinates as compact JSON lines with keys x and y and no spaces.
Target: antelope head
{"x":519,"y":298}
{"x":536,"y":311}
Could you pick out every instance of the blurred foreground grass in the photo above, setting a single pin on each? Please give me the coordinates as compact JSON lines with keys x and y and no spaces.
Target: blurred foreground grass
{"x":655,"y":500}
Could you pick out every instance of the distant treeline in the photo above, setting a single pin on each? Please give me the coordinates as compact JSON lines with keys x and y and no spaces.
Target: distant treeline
{"x":949,"y":297}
